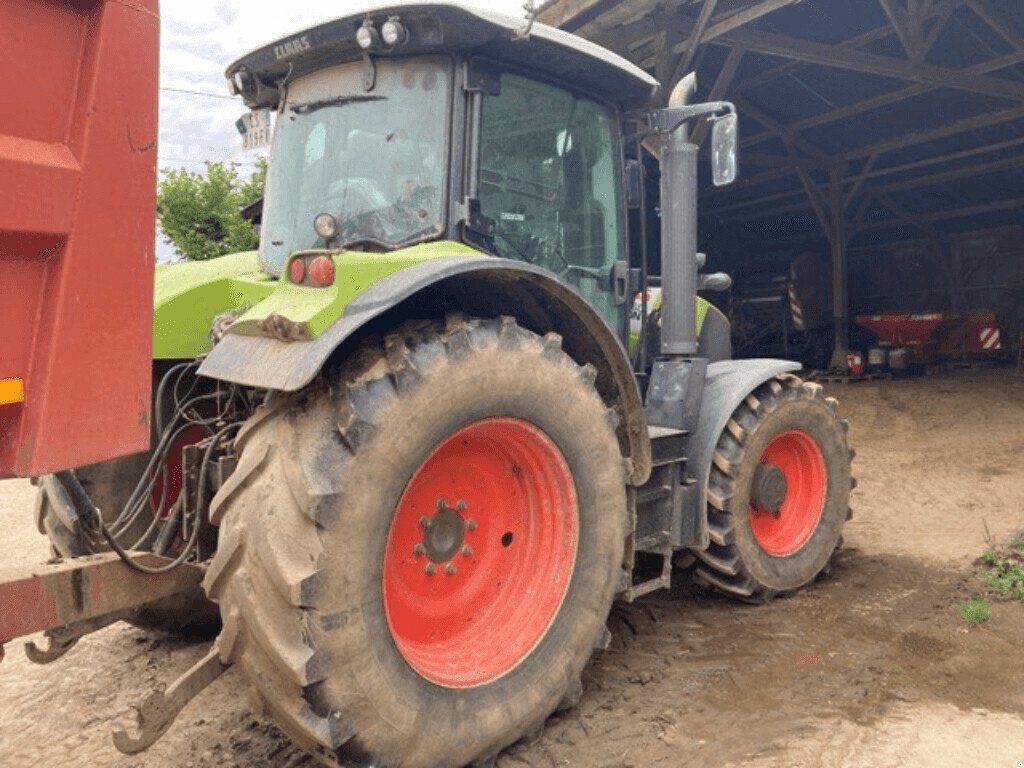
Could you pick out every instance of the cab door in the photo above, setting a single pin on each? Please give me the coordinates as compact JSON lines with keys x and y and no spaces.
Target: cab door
{"x":550,"y":171}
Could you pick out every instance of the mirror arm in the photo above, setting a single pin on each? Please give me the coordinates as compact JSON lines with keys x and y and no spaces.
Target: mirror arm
{"x":665,"y":121}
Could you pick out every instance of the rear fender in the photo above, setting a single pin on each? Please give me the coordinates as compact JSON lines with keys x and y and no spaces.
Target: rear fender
{"x":480,"y":286}
{"x":727,"y":384}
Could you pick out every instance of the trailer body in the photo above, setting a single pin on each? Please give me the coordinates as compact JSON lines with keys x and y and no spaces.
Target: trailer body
{"x":77,"y":198}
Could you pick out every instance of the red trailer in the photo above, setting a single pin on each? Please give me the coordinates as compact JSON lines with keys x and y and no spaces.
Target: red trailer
{"x":77,"y":198}
{"x":933,"y":336}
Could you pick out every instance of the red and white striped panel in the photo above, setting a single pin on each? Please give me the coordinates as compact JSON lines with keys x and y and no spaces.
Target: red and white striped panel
{"x":990,"y":340}
{"x":796,"y":311}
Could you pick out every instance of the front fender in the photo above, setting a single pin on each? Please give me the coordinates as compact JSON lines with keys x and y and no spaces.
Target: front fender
{"x":727,"y":384}
{"x":482,"y":286}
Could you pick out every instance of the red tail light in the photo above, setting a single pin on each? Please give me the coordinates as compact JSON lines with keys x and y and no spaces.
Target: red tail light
{"x":297,"y":271}
{"x":321,"y":271}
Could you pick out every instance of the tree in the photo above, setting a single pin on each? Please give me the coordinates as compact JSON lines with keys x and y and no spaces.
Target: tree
{"x":200,"y":214}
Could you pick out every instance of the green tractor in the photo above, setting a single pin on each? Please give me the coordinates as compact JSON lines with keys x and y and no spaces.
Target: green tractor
{"x":413,"y":438}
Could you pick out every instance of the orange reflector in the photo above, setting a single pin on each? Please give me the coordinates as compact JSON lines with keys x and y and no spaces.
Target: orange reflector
{"x":11,"y":391}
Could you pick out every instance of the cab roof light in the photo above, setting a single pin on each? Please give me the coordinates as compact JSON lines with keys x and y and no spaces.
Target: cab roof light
{"x":393,"y":32}
{"x":367,"y":35}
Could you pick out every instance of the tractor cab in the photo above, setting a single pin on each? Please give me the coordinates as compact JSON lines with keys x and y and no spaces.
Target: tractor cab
{"x":418,"y":123}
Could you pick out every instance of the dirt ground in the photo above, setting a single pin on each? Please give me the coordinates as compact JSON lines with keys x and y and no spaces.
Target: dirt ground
{"x":870,"y":667}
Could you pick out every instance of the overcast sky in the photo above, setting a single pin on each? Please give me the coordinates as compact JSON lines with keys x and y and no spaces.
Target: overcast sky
{"x":199,"y":38}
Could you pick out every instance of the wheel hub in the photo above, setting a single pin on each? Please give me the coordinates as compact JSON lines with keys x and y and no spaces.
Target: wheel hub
{"x":768,"y":490}
{"x":443,"y":533}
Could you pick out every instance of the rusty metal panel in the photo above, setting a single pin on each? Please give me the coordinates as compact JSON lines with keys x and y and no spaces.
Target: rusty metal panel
{"x":48,"y":596}
{"x":77,"y":201}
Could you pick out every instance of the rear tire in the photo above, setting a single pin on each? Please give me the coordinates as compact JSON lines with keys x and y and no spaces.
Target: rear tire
{"x":313,"y":550}
{"x":761,"y":548}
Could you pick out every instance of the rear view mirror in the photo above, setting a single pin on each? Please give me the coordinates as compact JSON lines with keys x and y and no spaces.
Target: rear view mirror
{"x":723,"y":149}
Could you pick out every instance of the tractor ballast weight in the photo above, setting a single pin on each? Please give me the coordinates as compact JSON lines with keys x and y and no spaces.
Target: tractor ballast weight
{"x":415,"y":445}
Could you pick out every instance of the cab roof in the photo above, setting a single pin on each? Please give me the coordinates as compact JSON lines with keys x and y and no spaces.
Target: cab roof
{"x":448,"y":27}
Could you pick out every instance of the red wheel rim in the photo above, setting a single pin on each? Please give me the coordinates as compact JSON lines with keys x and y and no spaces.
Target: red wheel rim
{"x":799,"y":458}
{"x":190,"y":436}
{"x":499,"y":496}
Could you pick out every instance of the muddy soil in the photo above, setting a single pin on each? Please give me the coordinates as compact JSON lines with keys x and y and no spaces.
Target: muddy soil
{"x":871,"y":666}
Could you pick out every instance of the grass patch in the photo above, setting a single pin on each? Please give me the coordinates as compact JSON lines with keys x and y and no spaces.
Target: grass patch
{"x":1002,"y":569}
{"x":975,"y":611}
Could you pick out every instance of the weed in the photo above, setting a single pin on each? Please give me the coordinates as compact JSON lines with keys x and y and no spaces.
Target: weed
{"x":975,"y":611}
{"x":1002,"y":569}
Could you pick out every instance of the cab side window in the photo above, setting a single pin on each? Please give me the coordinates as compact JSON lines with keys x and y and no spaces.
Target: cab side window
{"x":549,"y":167}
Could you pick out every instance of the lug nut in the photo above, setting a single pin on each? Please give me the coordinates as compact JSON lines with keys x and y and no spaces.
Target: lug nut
{"x":449,"y":569}
{"x":440,"y":504}
{"x":471,"y":524}
{"x":429,"y":569}
{"x":424,"y":522}
{"x":460,"y":505}
{"x":419,"y":549}
{"x":467,"y":550}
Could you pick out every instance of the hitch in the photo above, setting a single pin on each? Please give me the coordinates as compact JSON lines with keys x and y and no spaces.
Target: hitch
{"x":159,"y":709}
{"x":60,"y":640}
{"x":72,"y":598}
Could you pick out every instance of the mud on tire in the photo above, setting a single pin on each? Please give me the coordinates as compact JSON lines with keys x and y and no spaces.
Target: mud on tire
{"x":755,"y":560}
{"x":304,"y":525}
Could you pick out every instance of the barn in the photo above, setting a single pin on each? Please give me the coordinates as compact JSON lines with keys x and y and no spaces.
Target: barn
{"x":879,"y":204}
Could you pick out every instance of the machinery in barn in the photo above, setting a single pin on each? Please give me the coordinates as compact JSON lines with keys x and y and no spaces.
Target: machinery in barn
{"x":788,"y":314}
{"x":408,"y":445}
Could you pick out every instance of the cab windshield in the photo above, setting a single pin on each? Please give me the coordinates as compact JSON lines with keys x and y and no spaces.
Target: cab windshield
{"x":373,"y":159}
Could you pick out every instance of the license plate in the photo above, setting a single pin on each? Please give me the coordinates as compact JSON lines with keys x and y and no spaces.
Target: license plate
{"x":255,"y":129}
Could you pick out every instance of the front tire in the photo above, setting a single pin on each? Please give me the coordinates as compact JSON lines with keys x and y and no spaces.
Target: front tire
{"x":367,"y":628}
{"x":778,"y":492}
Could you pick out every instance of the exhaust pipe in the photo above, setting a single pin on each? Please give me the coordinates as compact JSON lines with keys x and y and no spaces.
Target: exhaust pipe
{"x":679,"y":264}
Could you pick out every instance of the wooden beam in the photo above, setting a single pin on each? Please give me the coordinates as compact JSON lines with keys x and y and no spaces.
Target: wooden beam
{"x":859,"y":41}
{"x":939,"y":159}
{"x":945,"y":131}
{"x":983,"y":11}
{"x":620,"y":38}
{"x":911,"y":218}
{"x":884,"y":100}
{"x":746,"y":16}
{"x":782,"y":70}
{"x":789,"y":138}
{"x":784,"y":166}
{"x":995,"y":166}
{"x":957,"y":213}
{"x":840,"y":282}
{"x":901,"y":21}
{"x":882,"y":66}
{"x":857,"y":222}
{"x":816,"y":199}
{"x":780,"y":161}
{"x":941,"y":19}
{"x":696,"y":38}
{"x":719,"y":89}
{"x":858,"y":182}
{"x":571,"y":14}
